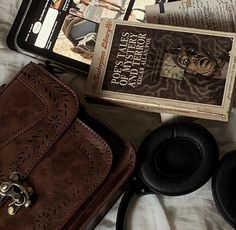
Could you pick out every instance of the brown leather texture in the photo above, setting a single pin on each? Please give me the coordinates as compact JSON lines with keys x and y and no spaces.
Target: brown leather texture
{"x":76,"y":166}
{"x":114,"y":185}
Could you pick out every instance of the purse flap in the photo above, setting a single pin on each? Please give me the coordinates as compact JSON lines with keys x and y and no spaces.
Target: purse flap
{"x":70,"y":174}
{"x":36,"y":108}
{"x":62,"y":158}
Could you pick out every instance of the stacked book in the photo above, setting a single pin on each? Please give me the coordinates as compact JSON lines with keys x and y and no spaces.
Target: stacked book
{"x":179,"y":60}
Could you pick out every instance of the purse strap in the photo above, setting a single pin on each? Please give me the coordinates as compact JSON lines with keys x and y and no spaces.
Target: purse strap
{"x":124,"y":203}
{"x":136,"y":187}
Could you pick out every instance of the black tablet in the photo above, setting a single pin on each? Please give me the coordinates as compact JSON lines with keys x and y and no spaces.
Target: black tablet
{"x":63,"y":31}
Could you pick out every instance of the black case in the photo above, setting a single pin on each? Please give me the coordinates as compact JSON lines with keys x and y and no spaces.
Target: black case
{"x":21,"y":25}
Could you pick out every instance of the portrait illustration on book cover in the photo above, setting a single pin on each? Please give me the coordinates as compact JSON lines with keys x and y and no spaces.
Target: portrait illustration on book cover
{"x":177,"y":66}
{"x":161,"y":64}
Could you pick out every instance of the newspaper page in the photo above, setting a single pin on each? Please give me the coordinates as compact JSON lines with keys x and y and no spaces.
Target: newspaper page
{"x":216,"y":15}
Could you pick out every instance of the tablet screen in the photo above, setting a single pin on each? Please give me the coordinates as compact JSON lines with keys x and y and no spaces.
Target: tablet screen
{"x":69,"y":27}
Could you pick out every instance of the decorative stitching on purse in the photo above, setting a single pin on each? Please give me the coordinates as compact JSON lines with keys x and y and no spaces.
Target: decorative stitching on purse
{"x":36,"y":145}
{"x":65,"y":123}
{"x":60,"y":199}
{"x":32,"y":124}
{"x":131,"y":149}
{"x":132,"y":161}
{"x":98,"y":181}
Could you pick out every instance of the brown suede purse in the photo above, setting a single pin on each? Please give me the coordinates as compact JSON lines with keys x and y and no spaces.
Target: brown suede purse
{"x":60,"y":166}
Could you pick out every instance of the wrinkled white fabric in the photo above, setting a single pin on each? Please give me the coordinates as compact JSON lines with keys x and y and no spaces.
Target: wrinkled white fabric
{"x":195,"y":211}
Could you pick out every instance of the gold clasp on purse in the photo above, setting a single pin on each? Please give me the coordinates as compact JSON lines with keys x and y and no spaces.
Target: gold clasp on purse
{"x":19,"y":194}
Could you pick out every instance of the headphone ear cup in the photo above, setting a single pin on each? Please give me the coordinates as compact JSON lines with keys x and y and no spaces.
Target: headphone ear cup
{"x":177,"y":158}
{"x":224,"y":187}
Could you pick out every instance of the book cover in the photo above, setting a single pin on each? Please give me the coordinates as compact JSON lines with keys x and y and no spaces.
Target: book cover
{"x":161,"y":68}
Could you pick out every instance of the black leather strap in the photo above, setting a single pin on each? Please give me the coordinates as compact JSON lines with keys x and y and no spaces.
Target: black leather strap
{"x":120,"y":221}
{"x":136,"y":187}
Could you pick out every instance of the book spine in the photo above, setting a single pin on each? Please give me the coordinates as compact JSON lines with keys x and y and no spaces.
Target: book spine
{"x":156,"y":108}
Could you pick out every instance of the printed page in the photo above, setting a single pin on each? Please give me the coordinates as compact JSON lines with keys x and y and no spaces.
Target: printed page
{"x":216,"y":15}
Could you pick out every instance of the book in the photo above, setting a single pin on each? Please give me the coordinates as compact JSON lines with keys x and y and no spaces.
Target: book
{"x":202,"y":14}
{"x":163,"y":69}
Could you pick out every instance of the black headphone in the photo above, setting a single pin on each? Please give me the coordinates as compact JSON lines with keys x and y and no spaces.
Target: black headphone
{"x":178,"y":158}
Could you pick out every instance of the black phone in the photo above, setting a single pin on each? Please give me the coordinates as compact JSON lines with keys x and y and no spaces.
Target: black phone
{"x":63,"y":31}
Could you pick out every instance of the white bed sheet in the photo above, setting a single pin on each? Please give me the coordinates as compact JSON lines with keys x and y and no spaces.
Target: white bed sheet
{"x":195,"y":211}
